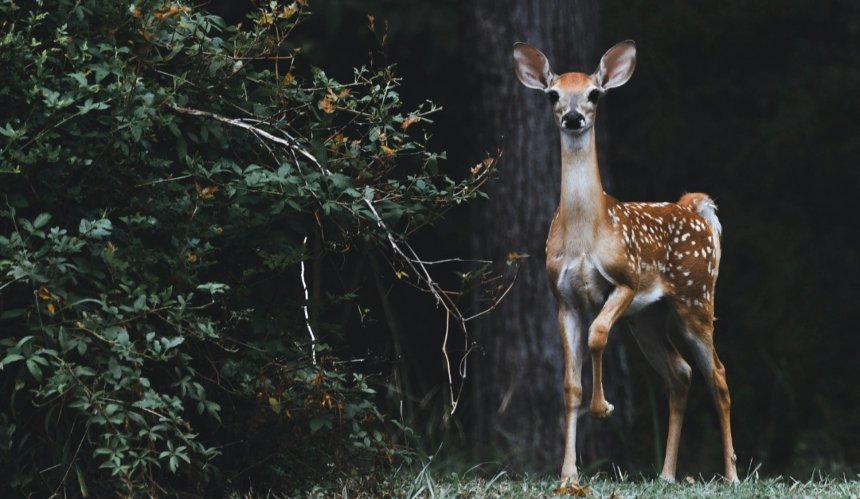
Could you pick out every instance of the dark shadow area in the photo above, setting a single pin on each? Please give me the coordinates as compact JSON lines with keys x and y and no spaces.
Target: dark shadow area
{"x":753,"y":103}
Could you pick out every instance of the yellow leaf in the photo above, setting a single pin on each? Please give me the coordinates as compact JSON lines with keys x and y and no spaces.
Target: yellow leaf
{"x":166,"y":12}
{"x":275,"y":405}
{"x":209,"y":192}
{"x":206,"y":192}
{"x":514,"y":256}
{"x":264,"y":19}
{"x":43,"y":293}
{"x":289,"y":79}
{"x":51,"y":308}
{"x":401,"y":274}
{"x":288,"y":11}
{"x":387,"y":150}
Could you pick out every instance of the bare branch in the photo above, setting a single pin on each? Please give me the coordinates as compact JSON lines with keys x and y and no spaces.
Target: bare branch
{"x":452,"y":313}
{"x":289,"y":142}
{"x":305,"y":308}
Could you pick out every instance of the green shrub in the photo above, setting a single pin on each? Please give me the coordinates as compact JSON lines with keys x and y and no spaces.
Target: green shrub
{"x":164,"y":179}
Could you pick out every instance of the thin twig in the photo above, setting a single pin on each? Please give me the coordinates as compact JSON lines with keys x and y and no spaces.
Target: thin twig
{"x":305,"y":308}
{"x":497,"y":301}
{"x":170,"y":179}
{"x":71,"y":463}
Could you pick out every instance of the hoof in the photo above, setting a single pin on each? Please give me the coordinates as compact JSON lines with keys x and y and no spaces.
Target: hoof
{"x":601,"y":411}
{"x":667,"y":478}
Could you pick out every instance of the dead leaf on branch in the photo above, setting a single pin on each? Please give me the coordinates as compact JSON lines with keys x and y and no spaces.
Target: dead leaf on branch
{"x":409,"y":122}
{"x":485,"y":163}
{"x":205,"y":192}
{"x":167,"y":12}
{"x":44,"y":294}
{"x":327,"y":103}
{"x":513,"y":256}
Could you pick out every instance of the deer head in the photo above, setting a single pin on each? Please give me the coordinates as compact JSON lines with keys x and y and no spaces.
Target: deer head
{"x":574,"y":96}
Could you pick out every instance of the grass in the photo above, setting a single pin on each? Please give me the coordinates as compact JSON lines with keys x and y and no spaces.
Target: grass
{"x":425,"y":484}
{"x":504,"y":486}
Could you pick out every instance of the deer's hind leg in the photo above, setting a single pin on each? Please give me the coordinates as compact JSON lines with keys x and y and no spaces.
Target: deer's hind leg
{"x":654,"y":341}
{"x":697,"y":323}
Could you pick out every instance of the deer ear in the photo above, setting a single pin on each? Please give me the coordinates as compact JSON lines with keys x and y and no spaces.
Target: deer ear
{"x":617,"y":65}
{"x":531,"y":67}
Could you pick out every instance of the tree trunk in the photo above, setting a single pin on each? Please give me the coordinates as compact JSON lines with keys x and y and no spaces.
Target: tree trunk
{"x":517,"y":396}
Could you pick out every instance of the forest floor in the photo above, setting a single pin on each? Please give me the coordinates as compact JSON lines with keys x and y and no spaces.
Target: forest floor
{"x":424,"y":485}
{"x":504,"y":487}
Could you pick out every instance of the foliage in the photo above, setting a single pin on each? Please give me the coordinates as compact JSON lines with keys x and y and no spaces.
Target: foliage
{"x":166,"y":180}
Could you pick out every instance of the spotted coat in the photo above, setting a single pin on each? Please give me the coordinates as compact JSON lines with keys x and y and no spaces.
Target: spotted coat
{"x":674,"y":244}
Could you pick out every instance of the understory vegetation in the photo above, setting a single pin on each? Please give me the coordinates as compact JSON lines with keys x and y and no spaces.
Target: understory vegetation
{"x":184,"y":209}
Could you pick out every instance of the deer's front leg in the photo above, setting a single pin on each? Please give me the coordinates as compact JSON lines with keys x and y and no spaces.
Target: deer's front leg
{"x":571,"y":329}
{"x":598,"y":333}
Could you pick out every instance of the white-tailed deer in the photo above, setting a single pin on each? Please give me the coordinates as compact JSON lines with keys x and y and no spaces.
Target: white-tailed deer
{"x":606,"y":259}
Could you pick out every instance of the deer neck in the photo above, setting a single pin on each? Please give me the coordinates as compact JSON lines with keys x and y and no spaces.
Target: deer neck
{"x":583,"y":205}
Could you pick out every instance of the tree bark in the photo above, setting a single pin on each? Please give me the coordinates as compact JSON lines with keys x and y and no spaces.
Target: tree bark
{"x":517,"y":395}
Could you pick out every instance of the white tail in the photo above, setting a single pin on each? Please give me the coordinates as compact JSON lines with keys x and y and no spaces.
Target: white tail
{"x":607,"y":258}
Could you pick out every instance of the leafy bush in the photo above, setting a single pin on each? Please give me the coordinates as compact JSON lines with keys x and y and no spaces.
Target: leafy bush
{"x":166,"y":179}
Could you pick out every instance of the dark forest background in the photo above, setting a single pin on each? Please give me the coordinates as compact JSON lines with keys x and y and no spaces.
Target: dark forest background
{"x":752,"y":102}
{"x":169,"y":172}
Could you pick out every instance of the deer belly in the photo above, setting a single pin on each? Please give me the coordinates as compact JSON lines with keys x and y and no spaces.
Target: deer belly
{"x":581,"y":285}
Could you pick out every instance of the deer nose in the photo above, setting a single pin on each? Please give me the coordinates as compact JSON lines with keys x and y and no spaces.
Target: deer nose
{"x":573,"y":121}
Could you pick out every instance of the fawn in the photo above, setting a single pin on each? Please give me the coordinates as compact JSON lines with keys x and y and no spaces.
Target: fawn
{"x":607,"y":258}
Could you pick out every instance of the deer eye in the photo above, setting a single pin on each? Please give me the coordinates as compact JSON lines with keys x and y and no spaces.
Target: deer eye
{"x":593,"y":96}
{"x":552,"y":95}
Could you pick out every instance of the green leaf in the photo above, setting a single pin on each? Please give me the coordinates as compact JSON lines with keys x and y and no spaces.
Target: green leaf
{"x":8,"y":131}
{"x":9,"y":359}
{"x":34,"y":369}
{"x":89,"y":105}
{"x":96,"y":229}
{"x":41,"y":220}
{"x":319,"y":422}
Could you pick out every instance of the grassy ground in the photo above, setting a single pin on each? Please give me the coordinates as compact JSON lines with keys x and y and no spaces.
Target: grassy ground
{"x":425,"y":485}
